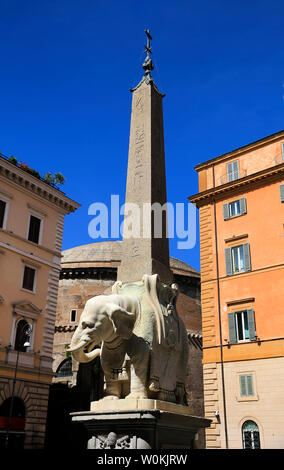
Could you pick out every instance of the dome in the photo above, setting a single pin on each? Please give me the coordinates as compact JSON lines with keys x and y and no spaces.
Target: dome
{"x":109,"y":254}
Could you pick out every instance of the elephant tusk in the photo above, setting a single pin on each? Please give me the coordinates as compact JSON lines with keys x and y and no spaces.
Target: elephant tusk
{"x":93,"y":354}
{"x":77,"y":346}
{"x":81,"y":356}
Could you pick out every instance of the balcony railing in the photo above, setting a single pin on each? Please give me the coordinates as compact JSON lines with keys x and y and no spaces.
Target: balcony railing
{"x":279,"y":159}
{"x":229,"y":177}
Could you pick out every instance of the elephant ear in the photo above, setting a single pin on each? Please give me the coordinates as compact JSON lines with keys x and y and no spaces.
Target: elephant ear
{"x":122,"y":319}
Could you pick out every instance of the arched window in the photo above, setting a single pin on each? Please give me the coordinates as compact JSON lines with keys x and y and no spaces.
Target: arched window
{"x":65,"y":368}
{"x":18,"y":408}
{"x":251,"y":439}
{"x":23,"y":329}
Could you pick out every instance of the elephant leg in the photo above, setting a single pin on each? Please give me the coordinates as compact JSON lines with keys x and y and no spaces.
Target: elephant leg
{"x":112,"y":389}
{"x":138,"y":379}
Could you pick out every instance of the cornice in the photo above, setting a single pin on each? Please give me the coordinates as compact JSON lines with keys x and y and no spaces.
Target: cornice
{"x":65,"y":328}
{"x":30,"y":256}
{"x":103,"y":273}
{"x":224,"y":190}
{"x":26,"y":306}
{"x":28,"y":183}
{"x":240,"y":301}
{"x":246,"y":148}
{"x":35,"y":245}
{"x":235,"y":238}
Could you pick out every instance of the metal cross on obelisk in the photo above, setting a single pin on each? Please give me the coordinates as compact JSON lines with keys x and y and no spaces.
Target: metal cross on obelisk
{"x":149,"y":38}
{"x":147,"y":251}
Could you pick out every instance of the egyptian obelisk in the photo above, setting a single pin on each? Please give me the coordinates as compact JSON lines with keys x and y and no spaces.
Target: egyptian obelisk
{"x":147,"y":251}
{"x":144,"y":343}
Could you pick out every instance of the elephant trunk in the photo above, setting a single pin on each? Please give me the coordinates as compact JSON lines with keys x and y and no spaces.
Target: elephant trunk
{"x":80,"y":355}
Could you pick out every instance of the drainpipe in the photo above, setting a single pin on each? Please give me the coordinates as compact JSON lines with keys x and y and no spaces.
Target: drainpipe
{"x":219,"y":316}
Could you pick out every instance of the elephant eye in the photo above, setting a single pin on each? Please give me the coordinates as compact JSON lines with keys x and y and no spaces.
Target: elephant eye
{"x":87,"y":324}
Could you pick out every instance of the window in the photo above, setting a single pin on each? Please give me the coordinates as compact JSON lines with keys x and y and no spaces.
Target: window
{"x":29,"y":279}
{"x":237,"y":259}
{"x":34,"y":229}
{"x":241,"y":326}
{"x":246,"y":385}
{"x":22,"y":335}
{"x":73,"y":315}
{"x":4,"y":204}
{"x":232,"y":171}
{"x":235,"y":208}
{"x":281,"y":188}
{"x":2,"y":212}
{"x":65,"y":368}
{"x":250,"y":432}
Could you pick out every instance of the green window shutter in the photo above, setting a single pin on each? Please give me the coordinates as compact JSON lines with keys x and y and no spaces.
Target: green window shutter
{"x":281,"y":187}
{"x":226,"y":211}
{"x":228,"y":261}
{"x":247,"y":263}
{"x":243,"y":387}
{"x":232,"y":171}
{"x":232,"y":327}
{"x":229,"y":172}
{"x":235,"y":169}
{"x":250,"y":390}
{"x":243,"y":205}
{"x":246,"y":385}
{"x":251,"y":324}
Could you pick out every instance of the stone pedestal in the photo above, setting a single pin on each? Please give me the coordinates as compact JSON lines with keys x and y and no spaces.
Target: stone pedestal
{"x":140,"y":424}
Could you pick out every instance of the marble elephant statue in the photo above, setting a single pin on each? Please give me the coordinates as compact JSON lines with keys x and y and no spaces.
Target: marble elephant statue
{"x":126,"y":328}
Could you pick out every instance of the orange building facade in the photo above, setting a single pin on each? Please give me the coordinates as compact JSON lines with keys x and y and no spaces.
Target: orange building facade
{"x":241,"y":208}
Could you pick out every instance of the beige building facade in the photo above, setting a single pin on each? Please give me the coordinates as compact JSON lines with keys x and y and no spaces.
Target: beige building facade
{"x":265,"y":405}
{"x":31,"y":228}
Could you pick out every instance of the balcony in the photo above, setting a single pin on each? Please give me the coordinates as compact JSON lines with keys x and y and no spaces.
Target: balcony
{"x":279,"y":159}
{"x":229,"y":177}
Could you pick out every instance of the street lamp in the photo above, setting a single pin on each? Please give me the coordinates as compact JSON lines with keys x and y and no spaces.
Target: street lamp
{"x":25,"y":345}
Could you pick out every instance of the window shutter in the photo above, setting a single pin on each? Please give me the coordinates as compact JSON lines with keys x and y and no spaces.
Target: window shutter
{"x":281,"y":187}
{"x":229,"y":172}
{"x":232,"y":171}
{"x":250,"y":391}
{"x":235,"y":170}
{"x":251,"y":324}
{"x":226,"y":211}
{"x":243,"y":387}
{"x":282,"y":146}
{"x":247,"y":264}
{"x":243,"y":205}
{"x":232,"y":328}
{"x":228,"y":261}
{"x":246,"y":385}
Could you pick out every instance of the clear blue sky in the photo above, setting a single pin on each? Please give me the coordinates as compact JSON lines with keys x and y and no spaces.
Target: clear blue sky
{"x":66,"y":70}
